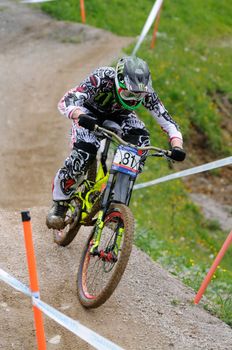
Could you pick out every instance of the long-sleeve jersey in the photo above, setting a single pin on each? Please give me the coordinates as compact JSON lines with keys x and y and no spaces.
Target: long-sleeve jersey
{"x":97,"y":94}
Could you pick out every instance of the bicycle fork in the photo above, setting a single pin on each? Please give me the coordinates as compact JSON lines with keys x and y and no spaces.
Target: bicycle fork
{"x":97,"y":233}
{"x":111,"y":254}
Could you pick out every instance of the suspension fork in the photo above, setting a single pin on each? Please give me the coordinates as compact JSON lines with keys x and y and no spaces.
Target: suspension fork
{"x":118,"y":240}
{"x":97,"y":233}
{"x":123,"y":187}
{"x":97,"y":236}
{"x":102,"y":213}
{"x":119,"y":189}
{"x":127,"y":190}
{"x":101,"y":216}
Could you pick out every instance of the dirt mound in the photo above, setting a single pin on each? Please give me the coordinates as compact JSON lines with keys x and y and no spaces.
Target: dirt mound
{"x":40,"y":59}
{"x":150,"y":309}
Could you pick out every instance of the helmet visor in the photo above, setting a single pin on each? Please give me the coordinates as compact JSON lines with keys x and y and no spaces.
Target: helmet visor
{"x":131,"y":96}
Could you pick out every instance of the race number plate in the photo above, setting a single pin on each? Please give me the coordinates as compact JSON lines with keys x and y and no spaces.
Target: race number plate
{"x":126,"y":160}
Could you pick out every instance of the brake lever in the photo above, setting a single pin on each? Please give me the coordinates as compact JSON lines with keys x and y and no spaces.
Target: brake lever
{"x":159,"y":154}
{"x":164,"y":154}
{"x":168,"y":158}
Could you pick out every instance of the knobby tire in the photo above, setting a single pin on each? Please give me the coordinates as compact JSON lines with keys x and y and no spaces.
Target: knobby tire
{"x":93,"y":301}
{"x":65,"y":239}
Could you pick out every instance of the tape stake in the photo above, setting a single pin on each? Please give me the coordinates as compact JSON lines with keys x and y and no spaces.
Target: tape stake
{"x":38,"y":317}
{"x":82,"y":6}
{"x":26,"y":219}
{"x":213,"y":268}
{"x":155,"y":29}
{"x":94,"y":339}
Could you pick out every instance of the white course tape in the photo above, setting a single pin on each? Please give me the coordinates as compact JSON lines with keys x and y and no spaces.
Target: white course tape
{"x":154,"y":11}
{"x":34,"y":1}
{"x":13,"y":282}
{"x":94,"y":339}
{"x":191,"y":171}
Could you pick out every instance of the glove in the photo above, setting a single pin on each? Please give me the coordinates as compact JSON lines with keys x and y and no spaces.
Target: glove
{"x":87,"y":122}
{"x":177,"y":154}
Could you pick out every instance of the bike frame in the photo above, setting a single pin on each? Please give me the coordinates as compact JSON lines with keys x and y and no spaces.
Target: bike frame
{"x":117,"y":184}
{"x":118,"y":190}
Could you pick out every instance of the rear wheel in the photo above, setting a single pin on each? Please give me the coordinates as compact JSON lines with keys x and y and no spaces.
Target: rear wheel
{"x":65,"y":236}
{"x":101,"y":271}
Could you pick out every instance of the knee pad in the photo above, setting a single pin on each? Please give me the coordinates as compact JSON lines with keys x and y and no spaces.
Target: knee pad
{"x":86,"y":146}
{"x":81,"y":157}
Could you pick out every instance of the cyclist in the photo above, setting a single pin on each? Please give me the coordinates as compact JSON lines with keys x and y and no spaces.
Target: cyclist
{"x":112,"y":94}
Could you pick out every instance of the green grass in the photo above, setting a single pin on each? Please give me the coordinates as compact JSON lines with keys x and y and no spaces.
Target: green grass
{"x":171,"y":229}
{"x":118,"y":15}
{"x":191,"y":63}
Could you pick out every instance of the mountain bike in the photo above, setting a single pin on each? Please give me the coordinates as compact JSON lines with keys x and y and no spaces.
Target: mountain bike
{"x":102,"y":201}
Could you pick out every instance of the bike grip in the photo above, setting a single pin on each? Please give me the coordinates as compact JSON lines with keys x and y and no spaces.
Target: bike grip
{"x":168,"y":153}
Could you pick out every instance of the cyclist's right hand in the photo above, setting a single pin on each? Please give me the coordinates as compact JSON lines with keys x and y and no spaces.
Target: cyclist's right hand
{"x":177,"y":154}
{"x":87,"y":122}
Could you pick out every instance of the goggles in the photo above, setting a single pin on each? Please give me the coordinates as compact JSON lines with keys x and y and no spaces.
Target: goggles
{"x":131,"y":96}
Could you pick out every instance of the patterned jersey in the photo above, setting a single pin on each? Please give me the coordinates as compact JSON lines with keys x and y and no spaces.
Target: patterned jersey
{"x":97,"y":94}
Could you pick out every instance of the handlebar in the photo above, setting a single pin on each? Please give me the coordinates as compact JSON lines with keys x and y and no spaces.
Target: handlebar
{"x":107,"y":133}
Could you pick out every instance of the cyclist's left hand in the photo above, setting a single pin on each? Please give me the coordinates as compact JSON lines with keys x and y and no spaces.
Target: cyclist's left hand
{"x":86,"y":121}
{"x":178,"y":154}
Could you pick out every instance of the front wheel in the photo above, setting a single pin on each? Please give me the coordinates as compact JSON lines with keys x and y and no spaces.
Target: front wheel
{"x":100,"y":271}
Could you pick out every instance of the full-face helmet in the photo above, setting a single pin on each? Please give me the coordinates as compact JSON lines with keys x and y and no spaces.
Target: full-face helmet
{"x":133,"y":81}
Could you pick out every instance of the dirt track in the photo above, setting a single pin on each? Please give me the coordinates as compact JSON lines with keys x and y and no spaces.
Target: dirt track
{"x":39,"y":60}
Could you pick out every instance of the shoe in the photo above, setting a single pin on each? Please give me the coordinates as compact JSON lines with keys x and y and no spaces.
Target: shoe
{"x":56,"y":216}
